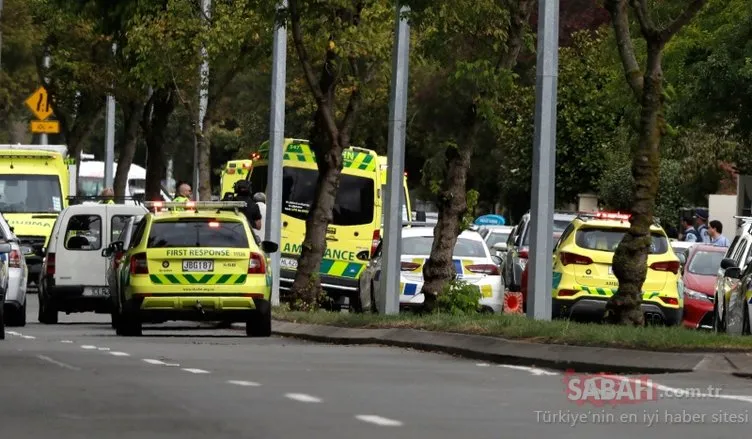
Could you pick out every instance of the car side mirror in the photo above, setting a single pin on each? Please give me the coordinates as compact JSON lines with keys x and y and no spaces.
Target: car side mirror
{"x":727,"y":263}
{"x":733,"y":273}
{"x":106,"y":252}
{"x":269,"y":246}
{"x":497,"y":260}
{"x":682,"y":259}
{"x":5,"y":247}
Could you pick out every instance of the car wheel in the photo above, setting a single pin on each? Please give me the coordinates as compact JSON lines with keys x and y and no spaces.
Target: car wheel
{"x":47,"y":312}
{"x":2,"y":322}
{"x":745,"y":325}
{"x":18,"y":317}
{"x":128,"y":323}
{"x":259,"y":322}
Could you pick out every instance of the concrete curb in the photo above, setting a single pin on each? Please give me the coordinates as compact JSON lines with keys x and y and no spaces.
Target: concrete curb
{"x":499,"y":350}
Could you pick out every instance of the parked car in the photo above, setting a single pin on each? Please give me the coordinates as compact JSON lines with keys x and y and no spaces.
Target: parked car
{"x":496,"y":238}
{"x":681,"y":248}
{"x":5,"y":249}
{"x":473,"y":263}
{"x":18,"y":274}
{"x":738,"y":256}
{"x":74,"y":275}
{"x":114,"y":254}
{"x":698,"y":278}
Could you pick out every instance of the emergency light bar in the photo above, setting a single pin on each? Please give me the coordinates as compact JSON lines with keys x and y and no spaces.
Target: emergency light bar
{"x":612,"y":215}
{"x":195,"y":205}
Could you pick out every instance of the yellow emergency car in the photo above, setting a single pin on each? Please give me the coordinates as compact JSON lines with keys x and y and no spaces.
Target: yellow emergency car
{"x":583,"y":278}
{"x":194,"y":261}
{"x":34,"y":186}
{"x":354,"y":233}
{"x":234,"y":171}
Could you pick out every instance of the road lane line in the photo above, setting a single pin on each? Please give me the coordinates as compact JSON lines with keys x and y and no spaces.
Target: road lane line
{"x":532,"y":370}
{"x":28,"y":337}
{"x":302,"y":397}
{"x":120,"y":354}
{"x":482,"y":364}
{"x":88,"y":347}
{"x":244,"y":383}
{"x":12,"y":333}
{"x":678,"y":391}
{"x":66,"y":341}
{"x":150,"y":361}
{"x":379,"y":420}
{"x":195,"y":370}
{"x":57,"y":363}
{"x":103,"y":349}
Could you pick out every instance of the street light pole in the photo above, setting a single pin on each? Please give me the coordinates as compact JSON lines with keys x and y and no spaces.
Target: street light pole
{"x":203,"y":99}
{"x":109,"y":146}
{"x":544,"y":158}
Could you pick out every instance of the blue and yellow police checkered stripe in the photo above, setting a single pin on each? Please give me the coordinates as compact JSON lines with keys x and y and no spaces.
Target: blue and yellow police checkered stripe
{"x":332,"y":267}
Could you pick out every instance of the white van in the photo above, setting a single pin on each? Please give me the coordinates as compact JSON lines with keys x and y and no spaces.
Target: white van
{"x":74,"y":273}
{"x":91,"y":180}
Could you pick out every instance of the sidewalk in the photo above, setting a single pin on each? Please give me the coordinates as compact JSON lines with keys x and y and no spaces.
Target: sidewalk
{"x":499,"y":350}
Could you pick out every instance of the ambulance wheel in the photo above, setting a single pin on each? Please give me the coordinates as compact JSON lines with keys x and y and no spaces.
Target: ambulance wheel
{"x":259,"y":321}
{"x":128,"y":324}
{"x":47,"y":311}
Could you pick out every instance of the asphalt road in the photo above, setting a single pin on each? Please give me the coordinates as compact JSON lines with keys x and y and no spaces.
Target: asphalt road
{"x":77,"y":379}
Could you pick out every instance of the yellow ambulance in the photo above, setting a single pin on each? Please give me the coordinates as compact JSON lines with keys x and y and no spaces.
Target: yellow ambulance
{"x":234,"y":171}
{"x":356,"y":229}
{"x":34,"y":185}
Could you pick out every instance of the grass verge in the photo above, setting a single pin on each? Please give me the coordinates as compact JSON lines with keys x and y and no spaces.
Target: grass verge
{"x":675,"y":339}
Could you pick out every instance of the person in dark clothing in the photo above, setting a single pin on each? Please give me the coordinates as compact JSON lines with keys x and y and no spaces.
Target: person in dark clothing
{"x":690,"y":233}
{"x":251,"y":211}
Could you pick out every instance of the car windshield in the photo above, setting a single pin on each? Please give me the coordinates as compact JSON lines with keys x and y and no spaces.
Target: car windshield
{"x":421,"y":245}
{"x":20,"y":193}
{"x":496,"y":237}
{"x":199,"y":232}
{"x":353,"y":206}
{"x":559,"y":226}
{"x":705,"y":263}
{"x":607,"y":239}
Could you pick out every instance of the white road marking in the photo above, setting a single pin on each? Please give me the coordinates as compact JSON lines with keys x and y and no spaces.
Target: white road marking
{"x":28,"y":337}
{"x":103,"y":349}
{"x":66,"y":341}
{"x":532,"y":370}
{"x":244,"y":383}
{"x":378,"y":420}
{"x":150,"y":361}
{"x":87,"y":346}
{"x":678,"y":391}
{"x":482,"y":364}
{"x":120,"y":354}
{"x":195,"y":370}
{"x":12,"y":333}
{"x":57,"y":363}
{"x":302,"y":397}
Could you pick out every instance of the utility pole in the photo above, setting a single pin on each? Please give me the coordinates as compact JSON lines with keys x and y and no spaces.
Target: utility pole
{"x":276,"y":143}
{"x":46,"y":64}
{"x":395,"y":194}
{"x":203,"y":98}
{"x":544,"y":158}
{"x":1,"y":35}
{"x":109,"y":145}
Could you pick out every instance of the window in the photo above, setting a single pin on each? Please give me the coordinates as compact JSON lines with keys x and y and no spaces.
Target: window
{"x":559,"y":227}
{"x":117,"y":226}
{"x":568,"y":231}
{"x":353,"y":206}
{"x":138,"y":234}
{"x":607,"y":239}
{"x":84,"y":232}
{"x":740,"y":253}
{"x":465,"y":248}
{"x":705,"y":263}
{"x":405,"y":216}
{"x":198,"y":232}
{"x":90,"y":186}
{"x":493,"y":238}
{"x":21,"y":193}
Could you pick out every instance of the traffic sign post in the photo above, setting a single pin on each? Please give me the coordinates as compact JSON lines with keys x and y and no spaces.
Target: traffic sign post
{"x":45,"y":126}
{"x":40,"y":105}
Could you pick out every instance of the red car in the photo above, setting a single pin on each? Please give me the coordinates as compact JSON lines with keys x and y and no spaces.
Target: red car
{"x":523,"y":278}
{"x":698,"y":276}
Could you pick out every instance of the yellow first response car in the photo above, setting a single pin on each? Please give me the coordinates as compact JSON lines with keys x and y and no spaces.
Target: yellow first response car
{"x":194,"y":261}
{"x":583,"y":278}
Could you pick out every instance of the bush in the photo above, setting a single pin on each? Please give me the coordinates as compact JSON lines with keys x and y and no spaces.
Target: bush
{"x":458,"y":298}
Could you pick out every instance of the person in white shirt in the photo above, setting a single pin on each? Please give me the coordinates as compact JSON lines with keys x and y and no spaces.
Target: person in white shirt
{"x":260,"y":199}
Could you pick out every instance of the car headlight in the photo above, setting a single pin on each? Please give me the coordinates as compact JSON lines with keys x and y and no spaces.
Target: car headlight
{"x":697,"y":295}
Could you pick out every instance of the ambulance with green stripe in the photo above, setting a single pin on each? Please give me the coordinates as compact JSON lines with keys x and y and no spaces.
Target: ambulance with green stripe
{"x":356,"y":229}
{"x":194,"y":261}
{"x":583,"y":277}
{"x":234,"y":171}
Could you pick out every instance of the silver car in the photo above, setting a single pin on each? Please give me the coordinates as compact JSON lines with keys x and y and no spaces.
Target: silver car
{"x":18,"y":273}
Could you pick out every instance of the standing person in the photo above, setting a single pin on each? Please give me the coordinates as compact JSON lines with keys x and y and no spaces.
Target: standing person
{"x":716,"y":238}
{"x":260,"y":199}
{"x":107,"y":195}
{"x":690,"y":234}
{"x":252,"y":212}
{"x":701,"y":224}
{"x":184,"y":193}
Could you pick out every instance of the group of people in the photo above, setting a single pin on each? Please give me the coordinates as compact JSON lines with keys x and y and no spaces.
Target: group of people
{"x":696,"y":228}
{"x":254,"y":211}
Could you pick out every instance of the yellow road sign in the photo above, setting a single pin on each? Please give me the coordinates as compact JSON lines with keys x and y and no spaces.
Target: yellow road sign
{"x":39,"y":104}
{"x":45,"y":126}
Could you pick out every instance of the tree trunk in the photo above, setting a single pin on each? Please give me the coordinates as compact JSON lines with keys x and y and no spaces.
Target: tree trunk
{"x":452,"y":204}
{"x":154,"y":123}
{"x":132,"y":112}
{"x":630,"y":258}
{"x":204,"y":162}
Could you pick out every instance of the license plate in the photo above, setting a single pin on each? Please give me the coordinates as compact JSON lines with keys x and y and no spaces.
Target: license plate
{"x":288,"y":263}
{"x":611,"y":270}
{"x":96,"y":291}
{"x":198,"y":265}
